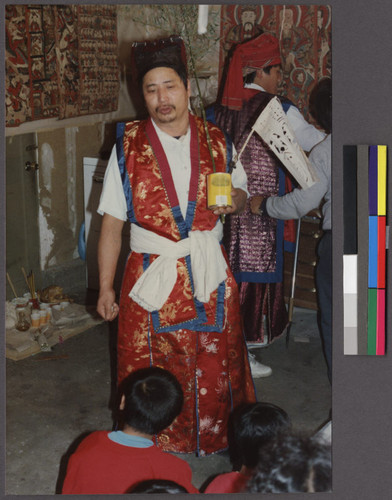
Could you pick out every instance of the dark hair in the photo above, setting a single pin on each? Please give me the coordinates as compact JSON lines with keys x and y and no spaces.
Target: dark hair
{"x":320,"y":104}
{"x":157,"y":486}
{"x":267,"y":69}
{"x":153,"y":399}
{"x":292,"y":464}
{"x":250,"y":77}
{"x":166,"y":52}
{"x":251,"y":426}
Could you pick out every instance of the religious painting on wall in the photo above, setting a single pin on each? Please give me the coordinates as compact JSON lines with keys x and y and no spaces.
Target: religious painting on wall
{"x":61,"y":61}
{"x":304,"y":32}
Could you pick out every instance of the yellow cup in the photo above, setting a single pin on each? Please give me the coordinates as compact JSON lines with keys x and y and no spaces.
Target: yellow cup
{"x":219,"y":190}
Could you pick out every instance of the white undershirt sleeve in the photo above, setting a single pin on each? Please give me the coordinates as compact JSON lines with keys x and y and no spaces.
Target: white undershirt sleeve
{"x":238,"y":177}
{"x":112,"y":199}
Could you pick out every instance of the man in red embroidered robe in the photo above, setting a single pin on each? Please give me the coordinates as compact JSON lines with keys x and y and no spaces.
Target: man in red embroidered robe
{"x":179,"y":305}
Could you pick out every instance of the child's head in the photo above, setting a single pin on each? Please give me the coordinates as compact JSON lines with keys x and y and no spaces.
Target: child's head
{"x":157,"y":486}
{"x":320,"y":104}
{"x":152,"y":398}
{"x":252,"y":426}
{"x":292,"y":464}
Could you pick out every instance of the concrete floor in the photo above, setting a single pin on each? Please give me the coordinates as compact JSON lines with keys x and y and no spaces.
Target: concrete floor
{"x":55,"y":398}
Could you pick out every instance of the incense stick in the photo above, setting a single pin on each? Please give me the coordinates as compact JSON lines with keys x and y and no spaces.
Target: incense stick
{"x":32,"y":285}
{"x":25,"y":277}
{"x":30,"y":282}
{"x":11,"y":285}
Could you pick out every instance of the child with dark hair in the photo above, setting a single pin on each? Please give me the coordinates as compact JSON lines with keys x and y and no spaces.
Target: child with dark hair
{"x":251,"y":427}
{"x":157,"y":486}
{"x":293,"y":464}
{"x":112,"y":462}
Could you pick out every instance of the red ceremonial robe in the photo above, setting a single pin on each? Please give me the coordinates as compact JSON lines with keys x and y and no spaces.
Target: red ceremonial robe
{"x":202,"y":344}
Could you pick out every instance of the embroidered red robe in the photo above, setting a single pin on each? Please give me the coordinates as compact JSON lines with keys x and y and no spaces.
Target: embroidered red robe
{"x":202,"y":344}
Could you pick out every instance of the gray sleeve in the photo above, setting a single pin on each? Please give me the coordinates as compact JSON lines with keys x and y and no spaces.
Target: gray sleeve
{"x":299,"y":202}
{"x":306,"y":134}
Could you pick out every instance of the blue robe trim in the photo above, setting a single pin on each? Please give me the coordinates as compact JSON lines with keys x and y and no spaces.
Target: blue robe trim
{"x":123,"y":171}
{"x":289,"y":246}
{"x":181,"y":224}
{"x":190,"y":214}
{"x":197,"y":408}
{"x":280,"y":231}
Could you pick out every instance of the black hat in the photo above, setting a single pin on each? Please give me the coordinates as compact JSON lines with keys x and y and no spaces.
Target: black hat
{"x":168,"y":52}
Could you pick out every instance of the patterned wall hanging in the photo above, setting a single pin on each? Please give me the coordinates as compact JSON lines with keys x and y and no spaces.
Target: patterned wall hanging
{"x":61,"y":61}
{"x":304,"y":32}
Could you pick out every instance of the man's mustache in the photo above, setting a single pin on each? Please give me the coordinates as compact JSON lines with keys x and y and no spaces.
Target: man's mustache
{"x":164,"y":106}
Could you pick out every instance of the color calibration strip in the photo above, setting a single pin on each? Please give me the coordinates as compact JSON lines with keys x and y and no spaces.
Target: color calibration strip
{"x":350,"y":250}
{"x":364,"y":259}
{"x":377,"y":250}
{"x":363,"y":245}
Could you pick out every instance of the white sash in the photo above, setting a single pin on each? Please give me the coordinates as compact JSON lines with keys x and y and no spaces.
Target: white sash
{"x":208,"y":265}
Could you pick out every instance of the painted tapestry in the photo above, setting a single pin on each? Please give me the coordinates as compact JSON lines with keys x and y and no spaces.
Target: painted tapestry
{"x":61,"y":61}
{"x":304,"y":32}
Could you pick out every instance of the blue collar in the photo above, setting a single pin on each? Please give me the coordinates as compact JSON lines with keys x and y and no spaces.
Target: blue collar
{"x":121,"y":437}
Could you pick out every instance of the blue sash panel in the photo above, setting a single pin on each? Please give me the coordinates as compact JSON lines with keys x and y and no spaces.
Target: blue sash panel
{"x":373,"y":251}
{"x":197,"y":324}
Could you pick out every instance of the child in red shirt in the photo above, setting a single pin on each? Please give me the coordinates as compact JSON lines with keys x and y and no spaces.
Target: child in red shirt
{"x":251,"y":426}
{"x":113,"y":462}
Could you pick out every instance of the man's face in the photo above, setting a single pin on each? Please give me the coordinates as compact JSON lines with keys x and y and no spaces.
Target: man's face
{"x":248,"y":16}
{"x":270,"y":82}
{"x":166,"y":96}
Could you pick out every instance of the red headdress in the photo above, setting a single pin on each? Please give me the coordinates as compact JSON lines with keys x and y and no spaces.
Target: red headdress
{"x":255,"y":54}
